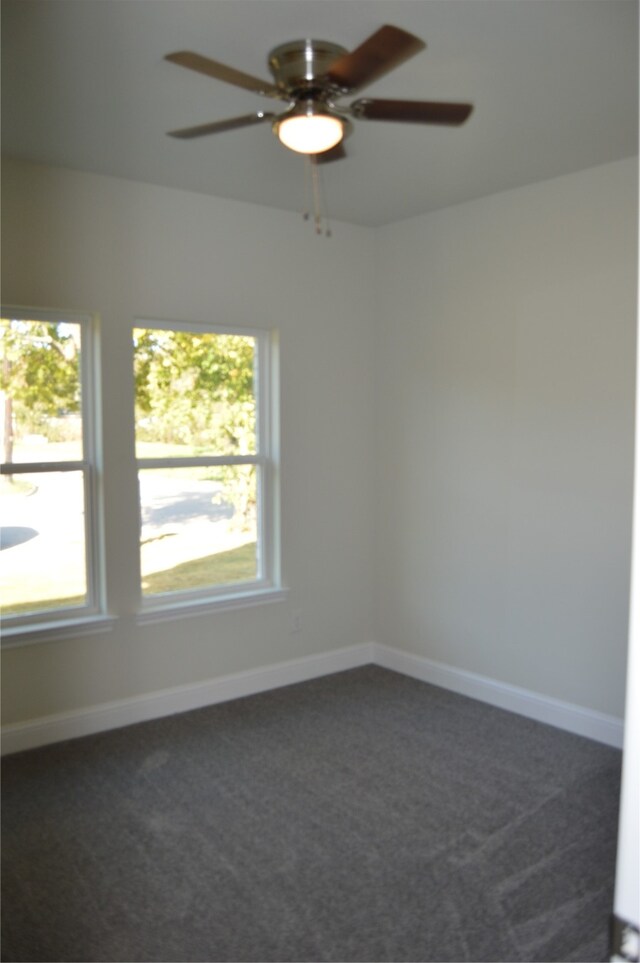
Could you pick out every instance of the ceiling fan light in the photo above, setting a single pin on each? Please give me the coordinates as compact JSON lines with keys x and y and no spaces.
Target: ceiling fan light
{"x":310,"y":132}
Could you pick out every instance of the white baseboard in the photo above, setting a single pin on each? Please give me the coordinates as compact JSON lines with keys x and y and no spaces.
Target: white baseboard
{"x":563,"y":715}
{"x":166,"y":702}
{"x":113,"y":715}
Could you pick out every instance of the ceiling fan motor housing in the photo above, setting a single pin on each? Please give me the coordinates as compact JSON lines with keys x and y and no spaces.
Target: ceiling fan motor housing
{"x":299,"y":68}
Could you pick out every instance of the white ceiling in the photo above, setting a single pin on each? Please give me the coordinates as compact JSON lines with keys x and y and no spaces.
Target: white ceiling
{"x":554,"y":84}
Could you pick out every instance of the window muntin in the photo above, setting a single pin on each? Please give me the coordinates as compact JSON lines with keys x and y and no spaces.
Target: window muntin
{"x":205,"y":463}
{"x":49,"y":558}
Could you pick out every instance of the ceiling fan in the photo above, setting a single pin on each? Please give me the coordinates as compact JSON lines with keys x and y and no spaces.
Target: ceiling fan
{"x":311,"y":76}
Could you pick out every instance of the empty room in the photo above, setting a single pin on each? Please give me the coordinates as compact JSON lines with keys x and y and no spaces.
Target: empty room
{"x":319,"y":391}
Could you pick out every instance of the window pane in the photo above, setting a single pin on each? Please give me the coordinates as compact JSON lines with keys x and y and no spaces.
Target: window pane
{"x":42,"y":556}
{"x":40,"y":384}
{"x":199,"y":527}
{"x":195,"y":393}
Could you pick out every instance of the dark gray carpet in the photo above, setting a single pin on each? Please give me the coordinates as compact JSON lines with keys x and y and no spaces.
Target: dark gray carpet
{"x":363,"y":816}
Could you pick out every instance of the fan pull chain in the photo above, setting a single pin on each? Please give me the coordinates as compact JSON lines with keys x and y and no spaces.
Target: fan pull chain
{"x":315,"y":186}
{"x":322,"y":200}
{"x":307,"y":186}
{"x":315,"y":190}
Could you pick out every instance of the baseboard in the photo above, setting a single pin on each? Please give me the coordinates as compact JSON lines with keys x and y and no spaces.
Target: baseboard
{"x":563,"y":715}
{"x":113,"y":715}
{"x":124,"y":712}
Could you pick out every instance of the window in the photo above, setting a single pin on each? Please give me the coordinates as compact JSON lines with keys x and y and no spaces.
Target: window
{"x":206,"y":464}
{"x":49,"y":558}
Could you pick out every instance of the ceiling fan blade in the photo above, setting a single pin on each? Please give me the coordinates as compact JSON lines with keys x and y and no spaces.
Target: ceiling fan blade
{"x":412,"y":111}
{"x":204,"y":65}
{"x":218,"y":126}
{"x":384,"y":50}
{"x":333,"y":154}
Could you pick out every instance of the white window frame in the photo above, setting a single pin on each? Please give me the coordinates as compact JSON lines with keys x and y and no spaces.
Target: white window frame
{"x":266,"y":587}
{"x":80,"y":619}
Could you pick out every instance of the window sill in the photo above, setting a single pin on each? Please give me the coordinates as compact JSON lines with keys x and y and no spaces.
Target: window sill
{"x":55,"y":631}
{"x":187,"y":609}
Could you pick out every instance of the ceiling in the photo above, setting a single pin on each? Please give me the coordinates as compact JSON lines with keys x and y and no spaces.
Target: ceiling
{"x":554,"y":85}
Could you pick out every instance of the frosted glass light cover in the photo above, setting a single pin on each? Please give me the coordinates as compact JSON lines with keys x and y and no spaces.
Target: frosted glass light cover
{"x":310,"y":134}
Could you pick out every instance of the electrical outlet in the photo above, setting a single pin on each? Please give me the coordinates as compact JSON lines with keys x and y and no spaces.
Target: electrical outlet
{"x":296,"y":621}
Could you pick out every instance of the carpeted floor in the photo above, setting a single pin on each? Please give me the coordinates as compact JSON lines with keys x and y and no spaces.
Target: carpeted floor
{"x":363,"y":816}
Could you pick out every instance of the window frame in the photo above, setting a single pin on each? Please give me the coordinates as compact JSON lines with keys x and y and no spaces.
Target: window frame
{"x":267,"y":585}
{"x":76,"y":619}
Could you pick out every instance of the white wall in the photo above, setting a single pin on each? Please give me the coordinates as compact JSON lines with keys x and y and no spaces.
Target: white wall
{"x":505,"y":401}
{"x":627,"y":889}
{"x":127,"y":250}
{"x":502,"y":372}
